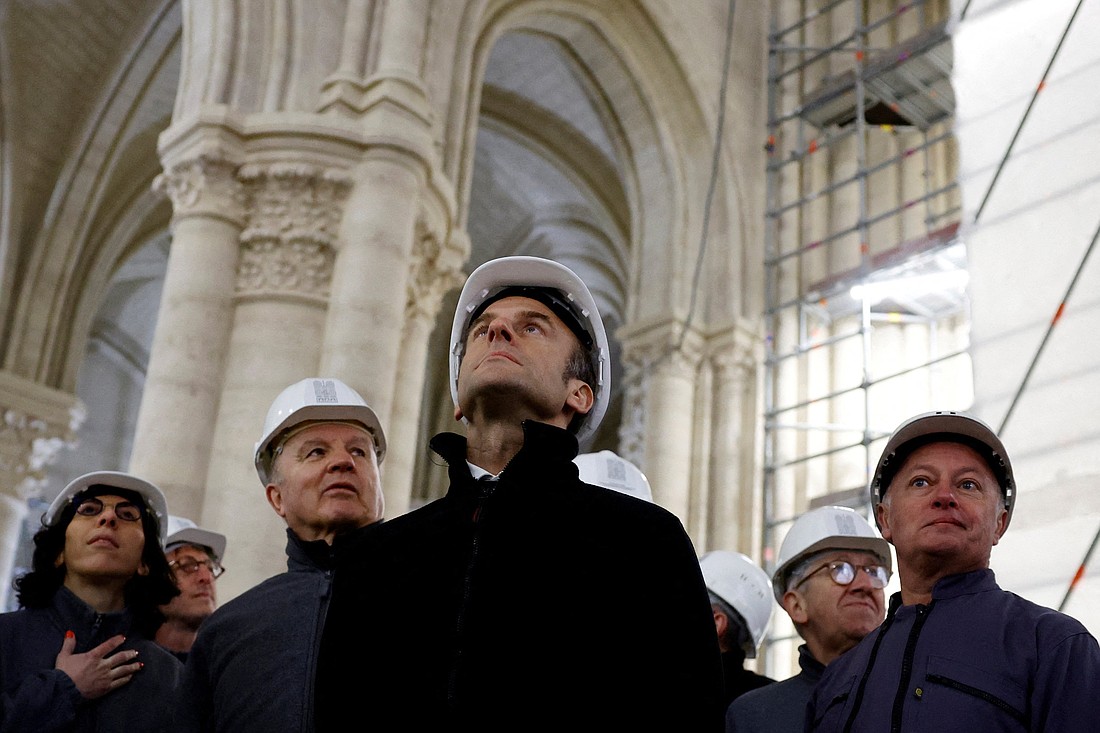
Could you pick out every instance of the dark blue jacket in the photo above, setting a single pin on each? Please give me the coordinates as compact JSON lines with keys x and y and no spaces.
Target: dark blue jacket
{"x":252,"y":664}
{"x":977,"y":658}
{"x":37,"y":697}
{"x":778,"y":708}
{"x":536,"y":603}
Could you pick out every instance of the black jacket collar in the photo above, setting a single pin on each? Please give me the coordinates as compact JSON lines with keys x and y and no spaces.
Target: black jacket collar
{"x":548,"y":452}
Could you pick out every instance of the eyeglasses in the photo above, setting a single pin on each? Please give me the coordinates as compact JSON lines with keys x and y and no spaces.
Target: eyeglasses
{"x":191,"y":565}
{"x":125,"y":510}
{"x":843,"y":573}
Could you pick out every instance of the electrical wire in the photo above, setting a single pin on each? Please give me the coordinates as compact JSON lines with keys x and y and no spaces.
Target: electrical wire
{"x":714,"y":165}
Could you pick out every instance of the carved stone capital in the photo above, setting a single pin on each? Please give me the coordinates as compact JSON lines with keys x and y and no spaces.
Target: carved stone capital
{"x":203,"y":186}
{"x":293,"y":216}
{"x":662,"y":346}
{"x":274,"y":267}
{"x":36,"y":423}
{"x":436,"y":270}
{"x":737,"y":349}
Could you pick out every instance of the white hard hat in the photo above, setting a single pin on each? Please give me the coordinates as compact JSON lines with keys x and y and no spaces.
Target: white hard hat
{"x":570,"y":300}
{"x":826,"y":528}
{"x":316,"y":399}
{"x":744,"y":585}
{"x":612,"y":471}
{"x":932,"y":427}
{"x":150,"y":494}
{"x":182,"y":531}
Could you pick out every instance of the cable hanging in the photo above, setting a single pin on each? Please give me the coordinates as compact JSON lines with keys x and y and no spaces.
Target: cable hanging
{"x":714,"y":165}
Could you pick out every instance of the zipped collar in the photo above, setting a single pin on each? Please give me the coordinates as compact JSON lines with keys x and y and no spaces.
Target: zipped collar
{"x":77,"y":615}
{"x":548,"y":452}
{"x":318,"y":554}
{"x":954,"y":586}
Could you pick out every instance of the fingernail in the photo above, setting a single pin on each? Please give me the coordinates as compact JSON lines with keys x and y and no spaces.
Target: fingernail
{"x":70,"y":635}
{"x":141,"y":665}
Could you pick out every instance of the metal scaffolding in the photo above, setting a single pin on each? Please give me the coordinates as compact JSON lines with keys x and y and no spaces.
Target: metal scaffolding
{"x":866,"y":309}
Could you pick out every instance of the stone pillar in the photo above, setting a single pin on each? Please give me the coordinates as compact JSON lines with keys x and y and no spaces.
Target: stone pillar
{"x":366,"y":314}
{"x":736,"y":503}
{"x":36,"y":422}
{"x":659,"y":427}
{"x":184,"y":379}
{"x":437,"y":269}
{"x":281,"y":292}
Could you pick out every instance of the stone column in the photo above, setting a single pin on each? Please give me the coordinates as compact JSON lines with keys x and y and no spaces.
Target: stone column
{"x":366,"y":314}
{"x":184,"y":379}
{"x":36,"y":422}
{"x":437,"y":269}
{"x":659,"y":427}
{"x":736,"y":502}
{"x":281,"y":292}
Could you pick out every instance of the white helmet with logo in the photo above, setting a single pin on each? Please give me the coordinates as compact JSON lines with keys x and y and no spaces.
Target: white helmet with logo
{"x":744,"y":585}
{"x":826,"y":528}
{"x":316,"y":399}
{"x":182,"y":531}
{"x":611,"y":471}
{"x":930,"y":427}
{"x":562,"y":291}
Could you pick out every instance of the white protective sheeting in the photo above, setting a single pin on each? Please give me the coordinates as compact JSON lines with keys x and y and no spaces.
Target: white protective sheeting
{"x":1024,"y":250}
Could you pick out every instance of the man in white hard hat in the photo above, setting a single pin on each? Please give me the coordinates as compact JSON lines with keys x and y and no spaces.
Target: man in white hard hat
{"x":253,"y":663}
{"x":741,"y":601}
{"x":829,"y":578}
{"x":956,"y":653}
{"x":195,"y":556}
{"x":526,"y":599}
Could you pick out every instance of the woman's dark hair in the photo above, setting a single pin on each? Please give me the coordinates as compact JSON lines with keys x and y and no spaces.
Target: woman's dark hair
{"x":144,"y":593}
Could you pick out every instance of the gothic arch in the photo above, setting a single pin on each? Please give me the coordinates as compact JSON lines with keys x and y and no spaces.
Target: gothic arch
{"x":100,"y":208}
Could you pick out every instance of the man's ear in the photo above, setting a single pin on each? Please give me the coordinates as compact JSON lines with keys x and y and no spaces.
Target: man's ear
{"x":795,"y":606}
{"x":581,"y":397}
{"x":721,"y":623}
{"x":1002,"y":525}
{"x":458,"y":413}
{"x":275,"y":499}
{"x":883,"y":516}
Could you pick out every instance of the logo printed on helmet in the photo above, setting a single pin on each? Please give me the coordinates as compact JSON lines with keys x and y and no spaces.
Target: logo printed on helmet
{"x":325,"y":390}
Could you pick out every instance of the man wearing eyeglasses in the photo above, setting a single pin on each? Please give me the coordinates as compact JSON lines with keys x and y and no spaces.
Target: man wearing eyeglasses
{"x":195,"y":556}
{"x":829,"y":578}
{"x":956,"y":652}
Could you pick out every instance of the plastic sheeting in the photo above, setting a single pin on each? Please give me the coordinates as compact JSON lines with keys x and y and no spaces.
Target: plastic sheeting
{"x":1033,"y":231}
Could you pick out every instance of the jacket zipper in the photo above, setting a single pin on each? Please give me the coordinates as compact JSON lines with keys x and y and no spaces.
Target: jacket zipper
{"x":923,"y":612}
{"x":485,"y":490}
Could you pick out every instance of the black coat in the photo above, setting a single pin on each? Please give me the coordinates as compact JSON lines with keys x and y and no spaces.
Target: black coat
{"x":536,"y":603}
{"x":252,"y":665}
{"x":38,"y":697}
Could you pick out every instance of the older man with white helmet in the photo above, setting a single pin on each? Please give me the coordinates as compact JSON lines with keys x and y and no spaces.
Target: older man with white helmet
{"x":526,"y":599}
{"x":253,"y":663}
{"x":956,"y":652}
{"x":830,"y":578}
